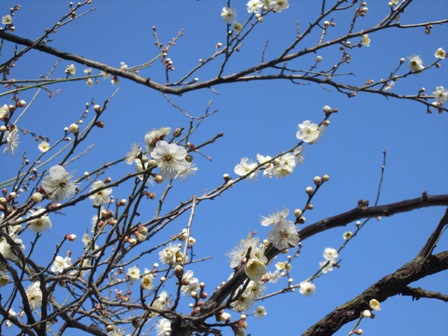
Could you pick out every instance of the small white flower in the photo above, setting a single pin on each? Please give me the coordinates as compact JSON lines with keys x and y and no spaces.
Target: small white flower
{"x":147,"y":281}
{"x":57,"y":184}
{"x":274,"y":218}
{"x":260,"y":312}
{"x":191,"y":283}
{"x":440,"y":53}
{"x":307,"y":288}
{"x":308,"y":131}
{"x":347,"y":235}
{"x":44,"y":146}
{"x":7,"y":20}
{"x":60,"y":264}
{"x":326,"y":266}
{"x":240,"y":251}
{"x":152,"y":137}
{"x":133,"y":273}
{"x":330,"y":253}
{"x":7,"y":251}
{"x":237,"y":27}
{"x":255,"y":269}
{"x":440,"y":94}
{"x":70,"y":70}
{"x":415,"y":64}
{"x":102,"y":196}
{"x":40,"y":224}
{"x":34,"y":295}
{"x":366,"y":40}
{"x":170,"y":158}
{"x":374,"y":304}
{"x":228,"y":14}
{"x":163,"y":328}
{"x":171,"y":255}
{"x":12,"y":141}
{"x":254,"y":6}
{"x":284,"y":235}
{"x":244,"y":167}
{"x":284,"y":165}
{"x":133,"y":154}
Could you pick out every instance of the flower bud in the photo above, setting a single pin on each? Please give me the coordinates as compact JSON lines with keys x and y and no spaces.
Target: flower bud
{"x":37,"y":197}
{"x":74,"y":128}
{"x":97,"y":108}
{"x":309,"y":190}
{"x":297,"y":213}
{"x":71,"y":237}
{"x":158,"y":178}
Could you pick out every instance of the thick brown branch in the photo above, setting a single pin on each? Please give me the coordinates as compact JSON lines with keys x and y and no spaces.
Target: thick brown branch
{"x":381,"y":210}
{"x":388,"y":286}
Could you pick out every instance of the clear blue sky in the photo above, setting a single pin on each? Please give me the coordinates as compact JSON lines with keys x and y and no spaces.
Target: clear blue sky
{"x":261,"y":117}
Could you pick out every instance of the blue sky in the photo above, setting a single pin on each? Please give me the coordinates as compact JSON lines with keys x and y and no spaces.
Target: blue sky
{"x":261,"y":117}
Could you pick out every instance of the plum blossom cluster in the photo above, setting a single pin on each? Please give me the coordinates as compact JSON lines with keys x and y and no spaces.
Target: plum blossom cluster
{"x":330,"y":255}
{"x":250,"y":254}
{"x":259,"y":8}
{"x":282,"y":165}
{"x":172,"y":160}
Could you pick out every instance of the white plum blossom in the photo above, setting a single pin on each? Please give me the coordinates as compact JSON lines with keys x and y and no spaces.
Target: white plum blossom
{"x":274,"y":218}
{"x":171,"y":255}
{"x":284,"y":235}
{"x":330,"y":253}
{"x":133,"y":154}
{"x":9,"y":252}
{"x":440,"y":94}
{"x":366,"y":40}
{"x":170,"y":158}
{"x":280,"y":5}
{"x":163,"y":328}
{"x":102,"y":196}
{"x":284,"y":165}
{"x":415,"y":64}
{"x":162,"y":301}
{"x":254,"y":6}
{"x":152,"y":137}
{"x":440,"y":53}
{"x":41,"y":223}
{"x":12,"y":141}
{"x":228,"y":15}
{"x":34,"y":295}
{"x":60,"y":264}
{"x":57,"y":184}
{"x":240,"y":251}
{"x":308,"y":131}
{"x":244,"y":302}
{"x":7,"y":20}
{"x":326,"y":266}
{"x":190,"y":283}
{"x":147,"y":280}
{"x":133,"y":273}
{"x":260,"y":312}
{"x":255,"y":269}
{"x":244,"y":167}
{"x":307,"y":288}
{"x":44,"y":146}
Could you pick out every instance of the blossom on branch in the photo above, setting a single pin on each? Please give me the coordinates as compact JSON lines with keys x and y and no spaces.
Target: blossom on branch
{"x":57,"y":184}
{"x":308,"y":132}
{"x":245,"y":167}
{"x":34,"y":295}
{"x":170,"y":158}
{"x":228,"y":15}
{"x":41,"y":223}
{"x":102,"y":196}
{"x":440,"y":94}
{"x":415,"y":64}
